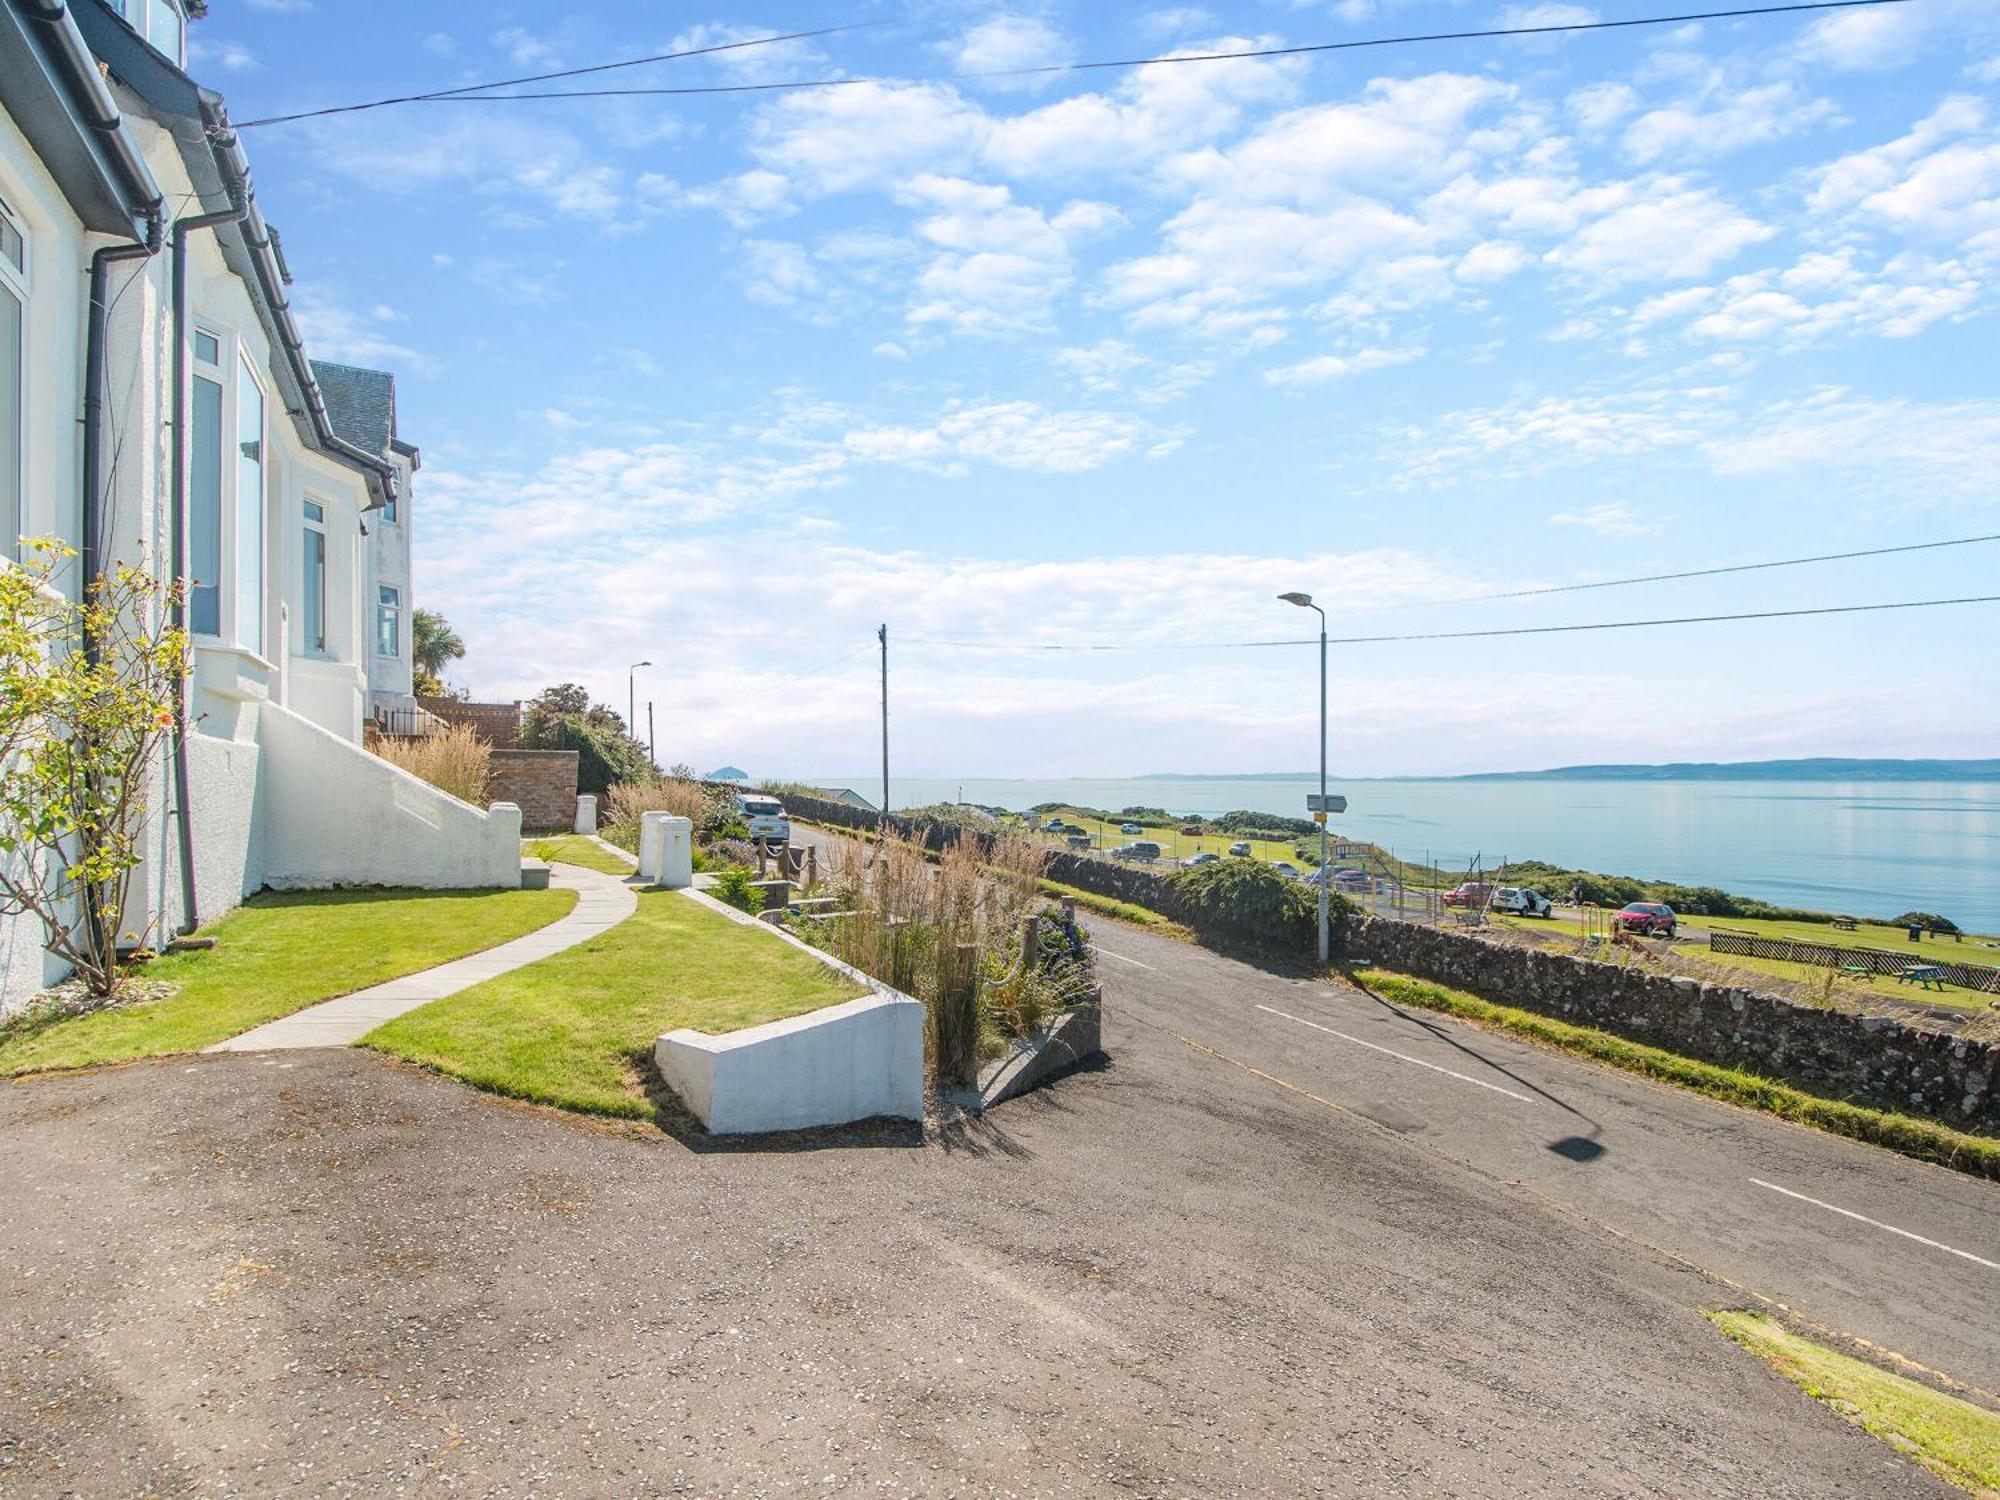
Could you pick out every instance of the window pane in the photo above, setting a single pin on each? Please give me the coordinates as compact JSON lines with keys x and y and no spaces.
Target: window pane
{"x":163,"y":28}
{"x":207,"y":349}
{"x":315,"y":511}
{"x":12,"y":246}
{"x":205,"y":510}
{"x":10,"y":424}
{"x":315,"y":576}
{"x":388,"y":623}
{"x":249,"y":513}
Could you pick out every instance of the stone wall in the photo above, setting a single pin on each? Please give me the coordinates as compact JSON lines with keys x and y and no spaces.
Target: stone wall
{"x":542,"y":783}
{"x":1877,"y":1061}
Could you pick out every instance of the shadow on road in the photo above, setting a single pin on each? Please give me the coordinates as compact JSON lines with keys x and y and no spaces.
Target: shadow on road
{"x":1577,"y":1148}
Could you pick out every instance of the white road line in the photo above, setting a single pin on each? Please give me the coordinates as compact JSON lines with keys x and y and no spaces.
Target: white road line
{"x":1848,"y":1213}
{"x":1401,"y":1056}
{"x":1122,"y":958}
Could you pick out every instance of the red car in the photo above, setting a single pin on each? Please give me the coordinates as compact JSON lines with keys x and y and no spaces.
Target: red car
{"x":1471,"y":893}
{"x":1651,"y":918}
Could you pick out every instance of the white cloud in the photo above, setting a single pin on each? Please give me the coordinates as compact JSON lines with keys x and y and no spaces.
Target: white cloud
{"x":1939,"y":183}
{"x":349,"y":336}
{"x":1656,"y":229}
{"x":231,"y":57}
{"x":1009,"y":44}
{"x":999,"y":264}
{"x":744,"y":58}
{"x":1012,"y":434}
{"x":526,"y":50}
{"x":1722,"y":118}
{"x":1865,"y":40}
{"x":868,"y":135}
{"x":1599,"y":106}
{"x":777,"y":273}
{"x":1339,"y":366}
{"x":1610,"y":519}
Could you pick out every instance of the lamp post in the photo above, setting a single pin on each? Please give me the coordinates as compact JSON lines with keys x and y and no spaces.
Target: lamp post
{"x":632,"y":697}
{"x":1305,"y":601}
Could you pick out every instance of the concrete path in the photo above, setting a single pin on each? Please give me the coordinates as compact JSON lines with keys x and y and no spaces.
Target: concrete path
{"x":603,"y":901}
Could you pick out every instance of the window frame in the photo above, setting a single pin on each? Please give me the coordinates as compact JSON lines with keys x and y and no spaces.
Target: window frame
{"x":389,"y":597}
{"x":17,"y":282}
{"x":233,"y":365}
{"x":245,"y":369}
{"x":312,"y":526}
{"x":217,"y":373}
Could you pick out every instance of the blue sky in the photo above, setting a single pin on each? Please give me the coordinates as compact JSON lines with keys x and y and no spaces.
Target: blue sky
{"x":1114,"y":357}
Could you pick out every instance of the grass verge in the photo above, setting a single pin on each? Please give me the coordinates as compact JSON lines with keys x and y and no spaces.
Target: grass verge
{"x":277,"y":953}
{"x":1955,"y":1440}
{"x":1924,"y":1139}
{"x":577,"y":1030}
{"x":575,"y":849}
{"x":1124,"y":911}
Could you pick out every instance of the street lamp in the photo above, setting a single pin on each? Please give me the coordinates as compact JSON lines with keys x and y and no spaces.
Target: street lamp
{"x":1305,"y":601}
{"x":632,"y":697}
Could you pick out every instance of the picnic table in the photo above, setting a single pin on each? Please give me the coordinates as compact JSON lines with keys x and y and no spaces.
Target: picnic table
{"x":1844,"y":924}
{"x":1930,"y":976}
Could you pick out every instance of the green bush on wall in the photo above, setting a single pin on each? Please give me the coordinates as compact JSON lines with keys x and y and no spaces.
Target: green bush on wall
{"x":1246,"y":901}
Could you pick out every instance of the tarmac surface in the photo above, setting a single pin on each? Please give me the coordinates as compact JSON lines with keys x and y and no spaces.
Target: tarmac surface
{"x":325,"y":1273}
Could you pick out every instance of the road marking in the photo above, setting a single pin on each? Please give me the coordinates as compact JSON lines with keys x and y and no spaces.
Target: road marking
{"x":1848,"y":1213}
{"x":1401,"y":1056}
{"x":1123,"y":959}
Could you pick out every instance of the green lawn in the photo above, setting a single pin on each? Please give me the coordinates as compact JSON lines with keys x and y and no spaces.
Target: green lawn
{"x":575,"y":849}
{"x":280,"y":952}
{"x":1955,"y":1440}
{"x":575,"y":1030}
{"x":1173,"y":844}
{"x":1568,"y":924}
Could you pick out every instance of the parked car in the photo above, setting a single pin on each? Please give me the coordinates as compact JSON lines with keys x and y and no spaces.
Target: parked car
{"x":1353,"y":879}
{"x":1468,"y":893}
{"x":1130,"y":828}
{"x":1286,"y":868}
{"x":765,"y":817}
{"x":1652,"y":918}
{"x":1239,"y":847}
{"x":1195,"y":861}
{"x":1145,"y":851}
{"x":1190,"y":830}
{"x":1056,"y":825}
{"x":1076,"y":838}
{"x":1522,"y":902}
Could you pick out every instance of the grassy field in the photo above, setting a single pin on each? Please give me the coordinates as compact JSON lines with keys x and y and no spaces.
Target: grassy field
{"x":575,"y":849}
{"x":577,"y":1030}
{"x":1123,"y":911}
{"x":1955,"y":1440}
{"x":1909,"y":1134}
{"x":1173,"y":844}
{"x":1569,"y":924}
{"x":278,"y":953}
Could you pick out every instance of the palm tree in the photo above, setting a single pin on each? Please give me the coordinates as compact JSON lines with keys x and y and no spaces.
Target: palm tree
{"x":433,"y":644}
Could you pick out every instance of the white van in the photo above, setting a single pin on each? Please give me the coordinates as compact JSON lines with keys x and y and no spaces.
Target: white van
{"x":765,"y":817}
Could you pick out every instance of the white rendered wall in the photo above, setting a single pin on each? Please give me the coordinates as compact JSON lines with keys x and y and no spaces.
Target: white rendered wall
{"x":857,"y":1061}
{"x":335,"y":815}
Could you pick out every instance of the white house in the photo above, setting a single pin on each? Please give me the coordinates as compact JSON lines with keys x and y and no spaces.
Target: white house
{"x":157,"y":406}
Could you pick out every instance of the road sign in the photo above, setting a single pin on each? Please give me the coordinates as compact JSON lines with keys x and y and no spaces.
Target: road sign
{"x":1332,"y":804}
{"x":1320,"y":818}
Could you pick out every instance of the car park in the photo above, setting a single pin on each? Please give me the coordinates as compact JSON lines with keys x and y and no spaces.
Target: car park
{"x":1130,"y":828}
{"x":1195,"y":861}
{"x":1239,"y":847}
{"x":1522,"y":902}
{"x":1648,"y":918}
{"x":1143,"y":851}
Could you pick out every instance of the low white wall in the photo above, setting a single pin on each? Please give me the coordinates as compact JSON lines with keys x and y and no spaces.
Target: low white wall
{"x":857,"y":1061}
{"x":334,"y":814}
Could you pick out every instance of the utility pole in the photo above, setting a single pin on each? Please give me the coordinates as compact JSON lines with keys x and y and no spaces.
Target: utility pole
{"x":652,"y":745}
{"x":883,"y":636}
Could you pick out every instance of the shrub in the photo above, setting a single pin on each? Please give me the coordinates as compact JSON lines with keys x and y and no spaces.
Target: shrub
{"x":457,"y":761}
{"x":625,"y":802}
{"x":1928,"y":920}
{"x":733,"y":886}
{"x":1246,"y":901}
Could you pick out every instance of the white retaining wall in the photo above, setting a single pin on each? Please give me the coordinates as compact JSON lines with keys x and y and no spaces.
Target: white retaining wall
{"x":857,"y":1061}
{"x":335,"y":814}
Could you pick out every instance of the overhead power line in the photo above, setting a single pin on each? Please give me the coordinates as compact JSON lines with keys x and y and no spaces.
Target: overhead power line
{"x":479,"y":93}
{"x":474,"y":89}
{"x":1756,"y":567}
{"x":1455,"y":635}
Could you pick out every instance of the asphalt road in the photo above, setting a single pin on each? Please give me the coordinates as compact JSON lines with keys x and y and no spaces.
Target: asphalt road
{"x":1896,"y":1252}
{"x":323,"y":1273}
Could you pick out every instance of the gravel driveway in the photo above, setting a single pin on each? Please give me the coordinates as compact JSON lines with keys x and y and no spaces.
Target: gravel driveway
{"x":327,"y":1274}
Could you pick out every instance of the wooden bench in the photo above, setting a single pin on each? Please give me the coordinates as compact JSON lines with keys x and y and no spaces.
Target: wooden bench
{"x":1930,"y":976}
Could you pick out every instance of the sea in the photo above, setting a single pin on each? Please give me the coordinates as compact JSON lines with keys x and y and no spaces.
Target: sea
{"x":1872,"y":849}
